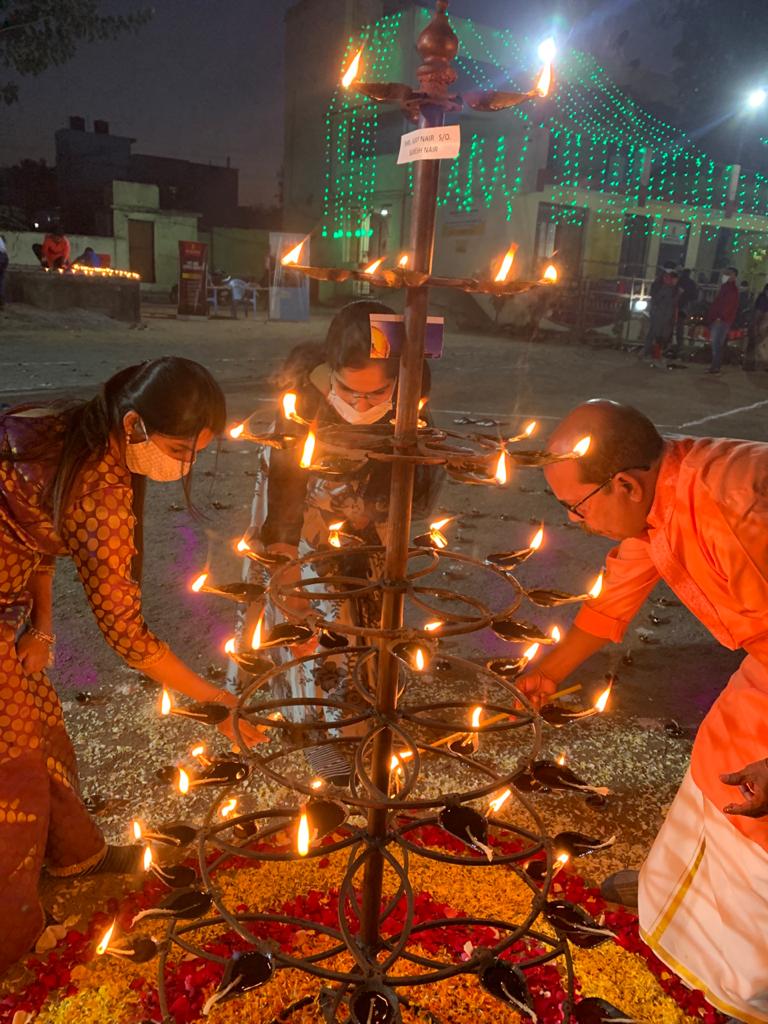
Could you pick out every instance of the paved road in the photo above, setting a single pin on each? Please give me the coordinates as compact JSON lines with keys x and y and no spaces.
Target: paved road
{"x":677,"y":675}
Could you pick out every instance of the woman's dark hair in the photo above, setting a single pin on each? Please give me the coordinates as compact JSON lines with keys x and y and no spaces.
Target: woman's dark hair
{"x":347,"y":344}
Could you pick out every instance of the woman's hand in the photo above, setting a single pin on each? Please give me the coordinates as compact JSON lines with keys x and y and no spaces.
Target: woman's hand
{"x":537,"y":687}
{"x":33,"y":653}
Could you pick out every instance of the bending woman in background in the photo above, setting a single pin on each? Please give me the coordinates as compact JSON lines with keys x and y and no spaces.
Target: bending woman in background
{"x":72,"y":482}
{"x":336,"y":383}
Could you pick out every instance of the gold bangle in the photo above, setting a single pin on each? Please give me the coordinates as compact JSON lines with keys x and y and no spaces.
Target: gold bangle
{"x":38,"y":634}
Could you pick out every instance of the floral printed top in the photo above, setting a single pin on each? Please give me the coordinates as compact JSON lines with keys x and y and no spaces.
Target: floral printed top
{"x":97,"y":530}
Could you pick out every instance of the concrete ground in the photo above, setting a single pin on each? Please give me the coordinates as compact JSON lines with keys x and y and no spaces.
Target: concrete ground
{"x":668,"y":670}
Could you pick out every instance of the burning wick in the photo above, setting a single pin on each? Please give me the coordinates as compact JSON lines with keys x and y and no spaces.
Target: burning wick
{"x":537,"y":539}
{"x":560,"y":863}
{"x":373,"y":267}
{"x":602,"y":700}
{"x":236,"y":432}
{"x":302,"y":838}
{"x":226,"y":809}
{"x":544,"y":81}
{"x":597,"y":587}
{"x":555,"y":634}
{"x":432,"y":627}
{"x":256,"y":638}
{"x":183,"y":782}
{"x":199,"y":753}
{"x":103,"y":946}
{"x":403,"y":261}
{"x":289,"y":407}
{"x":396,"y":767}
{"x":230,"y":646}
{"x":353,"y":70}
{"x":530,"y":652}
{"x":308,"y":452}
{"x":506,"y":264}
{"x":560,"y":759}
{"x":419,"y":661}
{"x":333,"y":534}
{"x":199,"y":583}
{"x":498,"y":802}
{"x":242,"y":546}
{"x":147,"y":858}
{"x":582,"y":447}
{"x":317,"y":783}
{"x":292,"y":257}
{"x":436,"y":534}
{"x":550,"y":274}
{"x":166,"y":707}
{"x":137,"y":831}
{"x":502,"y":471}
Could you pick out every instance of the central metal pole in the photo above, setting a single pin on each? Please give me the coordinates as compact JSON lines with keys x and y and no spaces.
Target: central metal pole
{"x":422,"y":237}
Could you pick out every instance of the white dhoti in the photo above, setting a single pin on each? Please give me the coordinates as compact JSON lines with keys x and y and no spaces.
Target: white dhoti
{"x":703,"y":905}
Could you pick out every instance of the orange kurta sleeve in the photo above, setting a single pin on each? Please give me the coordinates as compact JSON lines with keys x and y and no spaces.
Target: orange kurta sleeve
{"x":630,"y":576}
{"x":98,"y":532}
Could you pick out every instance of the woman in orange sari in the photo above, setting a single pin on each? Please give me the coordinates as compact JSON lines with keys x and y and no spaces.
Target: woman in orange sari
{"x":72,"y":482}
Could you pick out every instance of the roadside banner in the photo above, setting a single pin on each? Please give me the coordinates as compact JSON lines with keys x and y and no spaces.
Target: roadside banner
{"x":193,"y":280}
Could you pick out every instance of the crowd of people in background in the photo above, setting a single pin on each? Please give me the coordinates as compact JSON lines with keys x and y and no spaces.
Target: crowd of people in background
{"x":674,"y":296}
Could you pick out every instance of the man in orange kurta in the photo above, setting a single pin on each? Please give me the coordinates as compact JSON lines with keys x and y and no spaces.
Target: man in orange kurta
{"x":693,"y":512}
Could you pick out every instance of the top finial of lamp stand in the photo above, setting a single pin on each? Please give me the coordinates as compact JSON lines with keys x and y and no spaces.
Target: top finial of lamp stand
{"x":437,"y":45}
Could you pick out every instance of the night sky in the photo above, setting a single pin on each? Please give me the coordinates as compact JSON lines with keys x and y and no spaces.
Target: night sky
{"x":203,"y":81}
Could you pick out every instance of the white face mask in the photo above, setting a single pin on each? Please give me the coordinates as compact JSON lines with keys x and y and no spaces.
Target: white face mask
{"x":352,"y":415}
{"x":148,"y":459}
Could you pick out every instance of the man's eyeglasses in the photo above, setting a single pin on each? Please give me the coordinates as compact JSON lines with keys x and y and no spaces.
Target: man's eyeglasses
{"x":574,"y":509}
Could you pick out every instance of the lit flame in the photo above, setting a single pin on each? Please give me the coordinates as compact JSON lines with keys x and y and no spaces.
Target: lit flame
{"x":476,"y":717}
{"x":256,"y":638}
{"x":289,"y":406}
{"x":227,"y":808}
{"x":103,"y":946}
{"x":555,"y":634}
{"x":550,"y":273}
{"x":430,"y":627}
{"x":317,"y":783}
{"x":596,"y":588}
{"x":198,"y":751}
{"x":199,"y":583}
{"x":165,"y":703}
{"x":229,"y":646}
{"x":302,"y":839}
{"x":502,"y":472}
{"x":403,"y":261}
{"x":537,"y":538}
{"x":183,"y":782}
{"x":333,"y":534}
{"x":438,"y":539}
{"x":561,"y":759}
{"x":147,"y":858}
{"x":498,"y":802}
{"x":531,"y":652}
{"x":602,"y":700}
{"x":137,"y":830}
{"x":582,"y":447}
{"x":419,"y":660}
{"x":373,"y":267}
{"x":242,"y":546}
{"x":237,"y":431}
{"x":544,"y":82}
{"x":560,"y":862}
{"x":440,"y":523}
{"x":308,"y":452}
{"x":292,"y":257}
{"x":529,"y":428}
{"x":506,"y":264}
{"x":353,"y":70}
{"x":422,"y":403}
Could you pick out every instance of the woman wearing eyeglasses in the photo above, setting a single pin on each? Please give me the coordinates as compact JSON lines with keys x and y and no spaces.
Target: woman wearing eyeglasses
{"x":336,"y":382}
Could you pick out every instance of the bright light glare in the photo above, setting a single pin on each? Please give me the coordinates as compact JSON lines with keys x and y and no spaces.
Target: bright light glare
{"x":547,"y":50}
{"x":756,"y":98}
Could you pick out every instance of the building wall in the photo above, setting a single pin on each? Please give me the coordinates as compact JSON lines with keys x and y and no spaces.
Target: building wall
{"x":241,"y":252}
{"x":20,"y":244}
{"x":133,"y":201}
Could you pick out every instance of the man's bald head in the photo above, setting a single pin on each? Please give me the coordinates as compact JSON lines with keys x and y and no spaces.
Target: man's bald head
{"x":621,"y":438}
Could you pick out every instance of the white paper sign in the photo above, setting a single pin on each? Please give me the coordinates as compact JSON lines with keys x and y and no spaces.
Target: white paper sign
{"x":430,"y":144}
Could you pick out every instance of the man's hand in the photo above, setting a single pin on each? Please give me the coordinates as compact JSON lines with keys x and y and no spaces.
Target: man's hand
{"x":34,"y":653}
{"x":537,"y":687}
{"x":753,"y":784}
